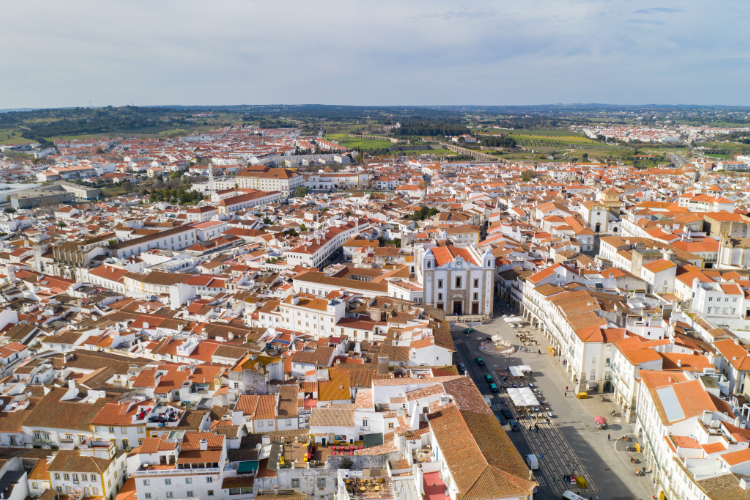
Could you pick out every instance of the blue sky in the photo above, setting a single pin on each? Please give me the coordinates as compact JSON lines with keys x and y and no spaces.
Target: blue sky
{"x":354,"y":52}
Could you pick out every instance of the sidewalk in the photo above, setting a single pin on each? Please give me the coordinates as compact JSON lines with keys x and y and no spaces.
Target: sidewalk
{"x":621,"y":445}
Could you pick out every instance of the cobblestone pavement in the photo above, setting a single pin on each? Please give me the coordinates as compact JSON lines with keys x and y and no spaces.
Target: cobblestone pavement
{"x":556,"y":457}
{"x":571,"y":443}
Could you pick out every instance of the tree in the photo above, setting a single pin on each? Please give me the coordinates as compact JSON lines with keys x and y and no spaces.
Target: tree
{"x":348,"y":213}
{"x":62,"y":224}
{"x":10,"y":210}
{"x":127,"y":186}
{"x":303,"y":227}
{"x":527,"y":175}
{"x":301,"y":192}
{"x":267,"y":221}
{"x":174,"y":175}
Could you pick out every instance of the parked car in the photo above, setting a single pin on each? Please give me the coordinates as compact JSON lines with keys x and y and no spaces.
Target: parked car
{"x":506,"y":413}
{"x":480,"y":361}
{"x":461,"y":368}
{"x":493,"y":387}
{"x":532,"y":462}
{"x":489,"y":379}
{"x":468,"y":330}
{"x":514,"y":426}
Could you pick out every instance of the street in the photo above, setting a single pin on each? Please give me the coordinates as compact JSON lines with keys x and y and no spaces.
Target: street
{"x":571,"y":443}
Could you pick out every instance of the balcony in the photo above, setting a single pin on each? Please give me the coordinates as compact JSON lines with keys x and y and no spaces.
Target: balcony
{"x":146,"y":470}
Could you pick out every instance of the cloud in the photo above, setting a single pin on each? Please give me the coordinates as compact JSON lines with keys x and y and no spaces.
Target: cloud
{"x":646,"y":21}
{"x":421,"y":52}
{"x":658,"y":9}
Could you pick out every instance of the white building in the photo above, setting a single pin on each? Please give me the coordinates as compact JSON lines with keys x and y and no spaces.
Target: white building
{"x":316,"y":317}
{"x":192,"y":467}
{"x":457,"y":280}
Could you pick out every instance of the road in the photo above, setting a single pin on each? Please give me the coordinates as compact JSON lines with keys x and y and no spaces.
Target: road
{"x":570,"y":444}
{"x":677,"y":160}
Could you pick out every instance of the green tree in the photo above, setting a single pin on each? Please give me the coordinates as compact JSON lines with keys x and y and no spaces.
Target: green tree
{"x":267,"y":221}
{"x":174,"y":175}
{"x":10,"y":210}
{"x":62,"y":224}
{"x":303,"y":227}
{"x":527,"y":175}
{"x":301,"y":192}
{"x":348,"y":213}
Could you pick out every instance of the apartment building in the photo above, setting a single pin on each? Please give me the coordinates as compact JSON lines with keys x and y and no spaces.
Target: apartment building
{"x":172,"y":239}
{"x":317,"y":317}
{"x":317,"y":251}
{"x":201,"y":214}
{"x":188,"y":467}
{"x":689,"y":433}
{"x":248,"y":200}
{"x":95,"y":470}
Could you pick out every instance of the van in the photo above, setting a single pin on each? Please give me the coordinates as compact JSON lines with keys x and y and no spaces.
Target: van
{"x":569,"y":495}
{"x":532,"y":462}
{"x":493,"y":387}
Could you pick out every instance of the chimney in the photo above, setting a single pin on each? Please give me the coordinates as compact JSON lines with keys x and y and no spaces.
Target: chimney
{"x":203,"y":444}
{"x":679,"y":363}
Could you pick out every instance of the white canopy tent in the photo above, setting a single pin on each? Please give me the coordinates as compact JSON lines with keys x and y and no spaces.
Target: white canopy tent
{"x":518,"y":370}
{"x":523,"y":397}
{"x":514,"y":319}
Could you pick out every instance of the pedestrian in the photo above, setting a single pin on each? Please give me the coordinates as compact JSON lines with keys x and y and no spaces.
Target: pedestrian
{"x":607,"y":437}
{"x":566,"y":394}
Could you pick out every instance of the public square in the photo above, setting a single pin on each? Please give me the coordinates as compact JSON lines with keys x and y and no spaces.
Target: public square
{"x":570,"y":443}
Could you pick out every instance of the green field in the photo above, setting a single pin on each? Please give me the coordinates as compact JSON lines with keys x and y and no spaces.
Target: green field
{"x":356,"y":143}
{"x":545,"y":133}
{"x":7,"y":138}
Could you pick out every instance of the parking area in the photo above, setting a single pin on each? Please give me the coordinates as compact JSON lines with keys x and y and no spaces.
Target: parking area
{"x":571,"y":443}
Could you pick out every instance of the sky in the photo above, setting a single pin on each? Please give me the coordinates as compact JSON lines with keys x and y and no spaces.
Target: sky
{"x":357,"y":52}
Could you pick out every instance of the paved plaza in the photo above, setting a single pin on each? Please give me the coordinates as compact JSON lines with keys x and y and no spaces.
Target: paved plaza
{"x":570,"y":443}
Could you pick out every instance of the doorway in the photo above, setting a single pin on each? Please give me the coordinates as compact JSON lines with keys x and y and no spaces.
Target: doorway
{"x":475,"y":308}
{"x":457,"y":309}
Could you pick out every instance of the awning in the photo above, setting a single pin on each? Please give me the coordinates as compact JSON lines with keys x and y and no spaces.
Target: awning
{"x":371,"y":440}
{"x":593,"y":385}
{"x":523,"y":397}
{"x":245,"y":467}
{"x":519,"y":370}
